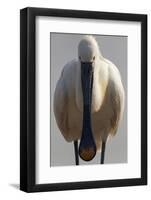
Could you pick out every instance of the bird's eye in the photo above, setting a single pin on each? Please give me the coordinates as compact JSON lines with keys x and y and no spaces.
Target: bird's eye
{"x":93,"y":57}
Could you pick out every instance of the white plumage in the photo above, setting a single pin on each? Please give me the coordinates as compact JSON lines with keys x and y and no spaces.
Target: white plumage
{"x":107,"y":95}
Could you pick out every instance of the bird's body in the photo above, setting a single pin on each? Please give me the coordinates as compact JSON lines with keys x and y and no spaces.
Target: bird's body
{"x":107,"y":100}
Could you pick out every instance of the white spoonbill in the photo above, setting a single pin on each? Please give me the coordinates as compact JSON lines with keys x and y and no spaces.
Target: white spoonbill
{"x":89,"y":100}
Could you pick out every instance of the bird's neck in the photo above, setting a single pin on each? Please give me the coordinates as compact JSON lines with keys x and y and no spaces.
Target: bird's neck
{"x":100,"y":80}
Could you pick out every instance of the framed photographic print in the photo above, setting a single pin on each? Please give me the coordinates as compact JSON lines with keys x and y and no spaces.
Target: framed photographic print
{"x":83,"y":99}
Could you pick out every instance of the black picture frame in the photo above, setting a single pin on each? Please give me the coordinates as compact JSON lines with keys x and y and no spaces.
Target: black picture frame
{"x":28,"y":98}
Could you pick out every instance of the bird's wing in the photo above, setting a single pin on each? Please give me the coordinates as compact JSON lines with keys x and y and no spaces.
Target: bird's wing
{"x":60,"y":101}
{"x":116,"y":92}
{"x":60,"y":105}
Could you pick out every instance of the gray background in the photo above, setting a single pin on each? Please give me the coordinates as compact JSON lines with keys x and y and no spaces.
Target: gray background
{"x":63,"y":48}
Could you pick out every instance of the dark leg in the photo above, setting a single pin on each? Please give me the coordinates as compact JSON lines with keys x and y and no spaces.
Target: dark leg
{"x":103,"y":152}
{"x":76,"y":152}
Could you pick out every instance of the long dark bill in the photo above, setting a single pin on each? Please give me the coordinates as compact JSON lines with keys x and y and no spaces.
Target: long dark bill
{"x":87,"y":147}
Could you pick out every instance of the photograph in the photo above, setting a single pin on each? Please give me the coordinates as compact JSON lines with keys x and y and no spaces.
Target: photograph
{"x":75,"y":94}
{"x":88,"y":99}
{"x":83,"y":99}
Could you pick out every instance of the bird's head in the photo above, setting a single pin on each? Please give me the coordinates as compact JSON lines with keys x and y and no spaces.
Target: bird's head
{"x":88,"y":49}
